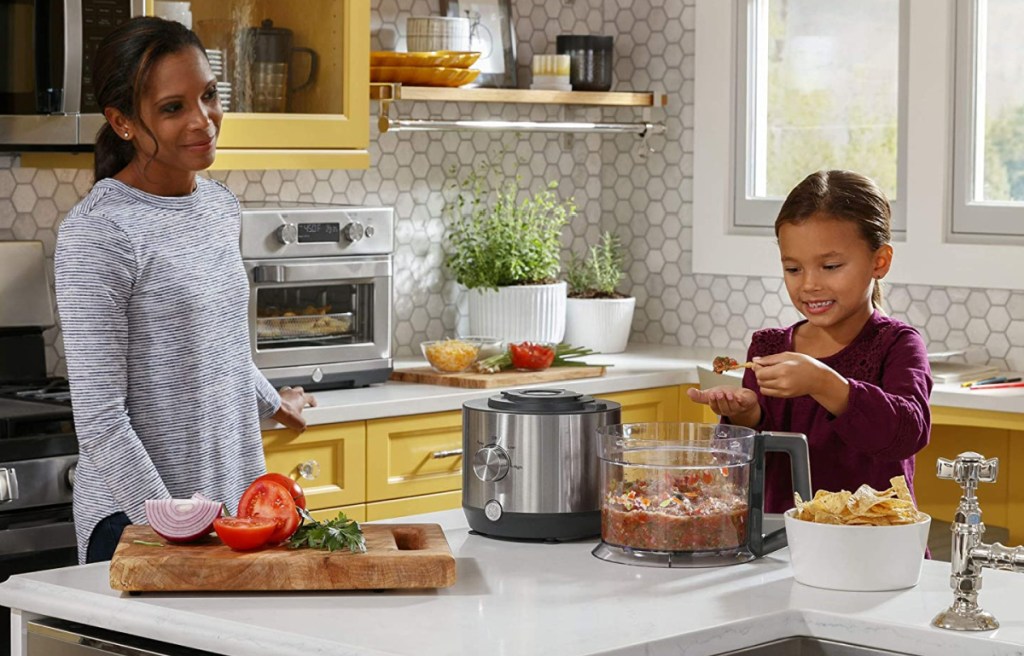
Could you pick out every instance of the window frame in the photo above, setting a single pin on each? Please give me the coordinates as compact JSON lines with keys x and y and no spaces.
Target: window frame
{"x":753,"y":214}
{"x":974,"y":220}
{"x":930,"y":255}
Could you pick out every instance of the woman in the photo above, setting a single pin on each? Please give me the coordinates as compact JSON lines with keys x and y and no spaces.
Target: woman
{"x":153,"y":298}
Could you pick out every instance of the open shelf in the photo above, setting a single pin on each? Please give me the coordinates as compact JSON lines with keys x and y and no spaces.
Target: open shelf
{"x":390,"y":92}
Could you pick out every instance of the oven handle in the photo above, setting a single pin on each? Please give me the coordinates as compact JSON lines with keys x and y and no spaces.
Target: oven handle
{"x":47,"y":537}
{"x":320,"y":272}
{"x":8,"y":485}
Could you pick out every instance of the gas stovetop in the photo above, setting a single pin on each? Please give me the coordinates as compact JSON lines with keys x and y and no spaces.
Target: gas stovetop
{"x":36,"y":420}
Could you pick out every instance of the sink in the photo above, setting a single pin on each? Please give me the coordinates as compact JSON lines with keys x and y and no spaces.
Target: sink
{"x":807,"y":646}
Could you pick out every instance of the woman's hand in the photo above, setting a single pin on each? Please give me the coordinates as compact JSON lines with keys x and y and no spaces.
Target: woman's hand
{"x":789,"y":375}
{"x":737,"y":403}
{"x":293,"y":400}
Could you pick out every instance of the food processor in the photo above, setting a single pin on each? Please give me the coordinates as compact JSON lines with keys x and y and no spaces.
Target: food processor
{"x":689,"y":495}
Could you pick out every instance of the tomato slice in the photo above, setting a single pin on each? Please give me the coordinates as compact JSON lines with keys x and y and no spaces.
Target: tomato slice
{"x":529,"y":355}
{"x":269,"y":499}
{"x":244,"y":533}
{"x":298,"y":495}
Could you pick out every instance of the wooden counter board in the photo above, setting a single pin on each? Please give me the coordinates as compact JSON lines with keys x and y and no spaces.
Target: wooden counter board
{"x":501,"y":379}
{"x":397,"y":556}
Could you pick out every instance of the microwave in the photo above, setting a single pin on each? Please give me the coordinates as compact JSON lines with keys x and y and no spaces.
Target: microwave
{"x":47,"y":100}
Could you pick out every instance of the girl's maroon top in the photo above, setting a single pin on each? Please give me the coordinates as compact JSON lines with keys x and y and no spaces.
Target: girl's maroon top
{"x":886,"y":423}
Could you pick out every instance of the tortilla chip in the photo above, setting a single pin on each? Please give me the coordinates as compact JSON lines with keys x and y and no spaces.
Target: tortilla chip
{"x":865,"y":507}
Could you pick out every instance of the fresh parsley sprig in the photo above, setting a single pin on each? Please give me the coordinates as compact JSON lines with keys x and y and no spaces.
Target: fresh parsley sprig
{"x":338,"y":533}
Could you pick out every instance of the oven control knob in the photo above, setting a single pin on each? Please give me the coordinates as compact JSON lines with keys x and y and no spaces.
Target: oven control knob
{"x":354,"y":231}
{"x":288,"y":233}
{"x":490,"y":463}
{"x":70,"y":476}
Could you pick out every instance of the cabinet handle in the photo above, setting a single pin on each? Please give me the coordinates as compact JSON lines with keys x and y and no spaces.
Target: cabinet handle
{"x":437,"y":455}
{"x":309,"y":470}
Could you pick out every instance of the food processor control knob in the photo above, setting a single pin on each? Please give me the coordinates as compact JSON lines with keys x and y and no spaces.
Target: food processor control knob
{"x":490,"y":463}
{"x":353,"y":231}
{"x":288,"y":233}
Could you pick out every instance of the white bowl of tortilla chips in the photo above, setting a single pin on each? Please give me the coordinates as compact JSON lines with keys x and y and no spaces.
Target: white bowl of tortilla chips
{"x":863,"y":541}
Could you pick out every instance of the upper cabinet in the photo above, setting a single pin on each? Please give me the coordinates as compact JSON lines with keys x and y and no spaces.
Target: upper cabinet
{"x":293,"y":78}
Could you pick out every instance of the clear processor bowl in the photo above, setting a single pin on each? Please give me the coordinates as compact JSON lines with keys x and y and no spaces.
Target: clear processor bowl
{"x":675,"y":494}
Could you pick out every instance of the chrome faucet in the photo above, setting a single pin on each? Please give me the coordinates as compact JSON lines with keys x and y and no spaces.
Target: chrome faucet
{"x":970,"y":554}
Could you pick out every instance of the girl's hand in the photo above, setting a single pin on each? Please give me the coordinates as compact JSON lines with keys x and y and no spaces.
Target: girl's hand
{"x":293,"y":400}
{"x":737,"y":403}
{"x":787,"y":375}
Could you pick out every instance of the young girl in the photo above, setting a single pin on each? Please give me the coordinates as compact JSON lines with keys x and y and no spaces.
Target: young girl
{"x":853,"y":380}
{"x":153,"y":298}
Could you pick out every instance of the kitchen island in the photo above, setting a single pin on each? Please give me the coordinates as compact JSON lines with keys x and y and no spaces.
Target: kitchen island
{"x":532,"y":598}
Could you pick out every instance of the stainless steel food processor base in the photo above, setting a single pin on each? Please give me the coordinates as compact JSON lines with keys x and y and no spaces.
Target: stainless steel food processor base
{"x":644,"y":558}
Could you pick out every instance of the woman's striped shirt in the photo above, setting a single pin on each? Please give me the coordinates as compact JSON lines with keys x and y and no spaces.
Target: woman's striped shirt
{"x":153,"y":302}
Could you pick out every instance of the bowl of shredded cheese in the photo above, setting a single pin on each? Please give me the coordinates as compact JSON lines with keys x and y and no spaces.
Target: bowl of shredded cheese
{"x":450,"y":356}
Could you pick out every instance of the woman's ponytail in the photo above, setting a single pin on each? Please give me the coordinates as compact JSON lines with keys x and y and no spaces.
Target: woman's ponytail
{"x":112,"y":153}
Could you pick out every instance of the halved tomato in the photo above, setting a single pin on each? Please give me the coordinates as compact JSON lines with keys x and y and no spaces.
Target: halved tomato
{"x":298,"y":496}
{"x":269,"y":499}
{"x":244,"y":533}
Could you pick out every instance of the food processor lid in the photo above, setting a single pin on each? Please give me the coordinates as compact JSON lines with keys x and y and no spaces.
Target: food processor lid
{"x":544,"y":401}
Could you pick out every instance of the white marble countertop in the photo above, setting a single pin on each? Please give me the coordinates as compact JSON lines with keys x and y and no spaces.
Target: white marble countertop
{"x":641,"y":366}
{"x":516,"y":598}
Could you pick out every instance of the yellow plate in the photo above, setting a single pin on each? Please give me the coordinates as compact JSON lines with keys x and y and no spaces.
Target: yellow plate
{"x":443,"y":58}
{"x":423,"y":76}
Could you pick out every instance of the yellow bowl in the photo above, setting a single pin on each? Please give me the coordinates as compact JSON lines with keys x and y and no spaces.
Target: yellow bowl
{"x":424,"y":76}
{"x":440,"y":58}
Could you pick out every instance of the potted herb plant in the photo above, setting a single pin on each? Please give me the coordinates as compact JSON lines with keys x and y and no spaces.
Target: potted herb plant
{"x":504,"y":246}
{"x":597,"y":316}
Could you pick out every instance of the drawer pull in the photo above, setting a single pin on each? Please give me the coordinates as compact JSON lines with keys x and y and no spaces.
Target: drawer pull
{"x":309,"y":470}
{"x":437,"y":455}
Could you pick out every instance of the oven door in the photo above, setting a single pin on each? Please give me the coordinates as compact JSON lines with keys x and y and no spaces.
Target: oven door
{"x":319,"y":310}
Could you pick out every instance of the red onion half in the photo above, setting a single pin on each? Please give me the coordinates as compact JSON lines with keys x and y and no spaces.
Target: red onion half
{"x":182,"y":520}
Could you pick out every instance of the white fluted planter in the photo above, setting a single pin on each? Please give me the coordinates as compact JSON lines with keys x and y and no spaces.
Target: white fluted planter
{"x":523,"y":313}
{"x":601,"y":324}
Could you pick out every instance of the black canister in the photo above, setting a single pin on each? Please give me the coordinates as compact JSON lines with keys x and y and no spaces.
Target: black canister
{"x":590,"y":60}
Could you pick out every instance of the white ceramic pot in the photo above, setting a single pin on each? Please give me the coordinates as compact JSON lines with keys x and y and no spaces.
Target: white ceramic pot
{"x":601,"y":324}
{"x":523,"y":313}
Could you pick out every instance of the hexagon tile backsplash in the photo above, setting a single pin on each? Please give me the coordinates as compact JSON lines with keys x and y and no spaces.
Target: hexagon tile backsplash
{"x":619,"y":184}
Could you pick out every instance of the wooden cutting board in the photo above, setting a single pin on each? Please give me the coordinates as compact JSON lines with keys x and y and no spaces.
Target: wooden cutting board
{"x":500,"y":379}
{"x":397,"y":556}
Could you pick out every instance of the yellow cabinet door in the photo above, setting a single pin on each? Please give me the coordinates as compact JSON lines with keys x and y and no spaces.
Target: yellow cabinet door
{"x":656,"y":404}
{"x":328,"y":461}
{"x":356,"y":512}
{"x":410,"y":456}
{"x":413,"y":505}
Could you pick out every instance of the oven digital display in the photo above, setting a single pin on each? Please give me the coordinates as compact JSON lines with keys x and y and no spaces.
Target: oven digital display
{"x":319,"y":232}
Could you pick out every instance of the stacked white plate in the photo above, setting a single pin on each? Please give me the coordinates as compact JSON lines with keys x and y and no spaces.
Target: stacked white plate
{"x":216,"y":58}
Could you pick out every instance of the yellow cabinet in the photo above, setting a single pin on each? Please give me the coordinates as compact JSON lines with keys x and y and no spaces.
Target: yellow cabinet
{"x":328,"y":461}
{"x":413,"y":505}
{"x":356,"y":512}
{"x":656,"y":404}
{"x":415,"y":455}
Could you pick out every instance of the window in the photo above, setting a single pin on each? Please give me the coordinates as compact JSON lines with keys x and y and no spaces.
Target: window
{"x":989,"y":146}
{"x":940,"y":245}
{"x":819,"y":87}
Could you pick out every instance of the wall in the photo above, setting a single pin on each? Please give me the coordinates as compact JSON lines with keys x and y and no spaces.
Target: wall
{"x":617,"y":182}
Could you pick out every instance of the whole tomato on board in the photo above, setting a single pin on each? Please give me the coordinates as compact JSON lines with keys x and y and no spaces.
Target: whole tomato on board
{"x":244,"y":533}
{"x":270,"y":500}
{"x":531,"y":356}
{"x":298,"y":496}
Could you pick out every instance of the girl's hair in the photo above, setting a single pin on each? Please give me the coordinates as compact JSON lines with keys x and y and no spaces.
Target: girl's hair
{"x":120,"y":72}
{"x":847,"y":196}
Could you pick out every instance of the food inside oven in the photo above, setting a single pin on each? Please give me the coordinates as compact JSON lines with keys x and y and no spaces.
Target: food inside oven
{"x":276,"y":323}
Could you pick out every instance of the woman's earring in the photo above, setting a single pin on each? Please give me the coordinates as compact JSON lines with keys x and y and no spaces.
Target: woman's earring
{"x":125,"y":135}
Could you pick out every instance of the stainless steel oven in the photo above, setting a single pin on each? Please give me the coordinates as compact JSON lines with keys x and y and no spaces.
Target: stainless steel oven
{"x":46,"y":52}
{"x":320,"y":292}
